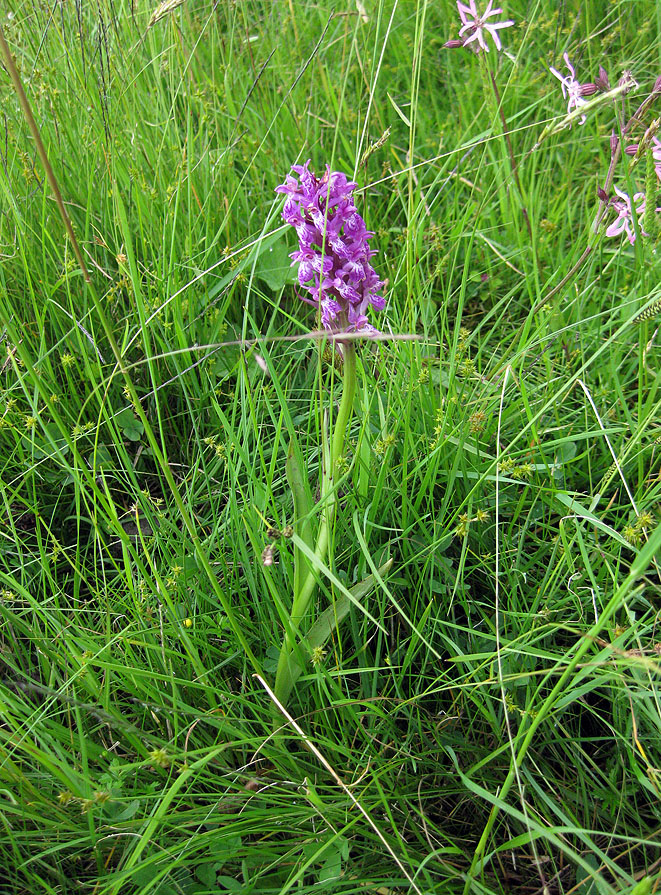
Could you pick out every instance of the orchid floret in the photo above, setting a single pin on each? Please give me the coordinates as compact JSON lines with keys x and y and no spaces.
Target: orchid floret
{"x":334,"y":253}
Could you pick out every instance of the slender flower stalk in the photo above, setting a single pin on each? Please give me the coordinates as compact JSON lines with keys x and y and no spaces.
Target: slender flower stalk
{"x":328,"y":500}
{"x":474,"y":26}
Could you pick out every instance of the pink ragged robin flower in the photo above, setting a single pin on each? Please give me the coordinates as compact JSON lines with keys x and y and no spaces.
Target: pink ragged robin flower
{"x":474,"y":24}
{"x":572,"y":90}
{"x":625,"y":211}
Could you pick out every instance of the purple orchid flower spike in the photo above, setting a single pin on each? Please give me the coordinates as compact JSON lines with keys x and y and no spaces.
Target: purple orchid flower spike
{"x":474,"y":24}
{"x":625,"y":211}
{"x":334,"y":253}
{"x":572,"y":90}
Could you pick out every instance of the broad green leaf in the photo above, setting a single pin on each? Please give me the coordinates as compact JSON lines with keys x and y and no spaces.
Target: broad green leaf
{"x":327,"y":622}
{"x":274,"y":266}
{"x":302,"y":512}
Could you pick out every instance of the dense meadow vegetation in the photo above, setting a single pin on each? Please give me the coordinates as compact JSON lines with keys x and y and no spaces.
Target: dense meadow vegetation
{"x":285,"y":613}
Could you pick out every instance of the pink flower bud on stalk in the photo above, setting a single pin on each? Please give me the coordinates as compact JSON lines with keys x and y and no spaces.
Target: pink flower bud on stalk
{"x":601,"y":81}
{"x":615,"y":142}
{"x":588,"y":89}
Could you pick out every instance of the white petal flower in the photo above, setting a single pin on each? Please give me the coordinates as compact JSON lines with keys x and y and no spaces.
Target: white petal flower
{"x":625,"y":211}
{"x":474,"y":24}
{"x":571,"y":88}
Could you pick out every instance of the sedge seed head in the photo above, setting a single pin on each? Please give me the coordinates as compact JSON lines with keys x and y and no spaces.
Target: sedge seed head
{"x":160,"y":758}
{"x":317,"y":655}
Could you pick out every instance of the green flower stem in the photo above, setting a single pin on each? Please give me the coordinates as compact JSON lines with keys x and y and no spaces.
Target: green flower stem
{"x":328,"y":501}
{"x":499,"y":123}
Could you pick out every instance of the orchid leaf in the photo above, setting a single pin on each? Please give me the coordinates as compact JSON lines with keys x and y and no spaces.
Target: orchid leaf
{"x":302,"y":512}
{"x":328,"y":621}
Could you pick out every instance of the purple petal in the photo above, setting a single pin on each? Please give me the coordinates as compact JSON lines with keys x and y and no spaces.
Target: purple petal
{"x":616,"y":227}
{"x":565,"y":56}
{"x":465,"y":11}
{"x":480,"y":39}
{"x":494,"y":34}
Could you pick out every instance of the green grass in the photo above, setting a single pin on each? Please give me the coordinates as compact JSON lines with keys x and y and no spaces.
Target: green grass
{"x":493,"y":705}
